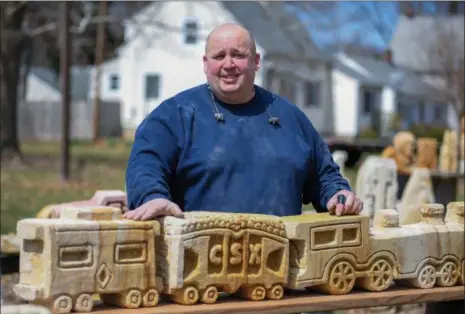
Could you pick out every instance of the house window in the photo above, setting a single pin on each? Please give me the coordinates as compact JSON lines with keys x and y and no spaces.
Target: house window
{"x":114,"y":82}
{"x":152,"y":86}
{"x":191,"y":32}
{"x":369,"y":98}
{"x":438,"y":112}
{"x":312,"y":94}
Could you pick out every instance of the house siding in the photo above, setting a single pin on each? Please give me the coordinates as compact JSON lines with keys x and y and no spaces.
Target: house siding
{"x":345,"y":104}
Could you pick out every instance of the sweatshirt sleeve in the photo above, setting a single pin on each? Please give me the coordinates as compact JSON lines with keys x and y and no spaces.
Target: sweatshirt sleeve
{"x":153,"y":159}
{"x":325,"y":178}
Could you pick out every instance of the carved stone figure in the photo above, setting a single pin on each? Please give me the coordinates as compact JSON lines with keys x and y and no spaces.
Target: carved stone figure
{"x":402,"y":151}
{"x":418,"y":190}
{"x":427,"y":156}
{"x":462,"y":144}
{"x":340,"y":158}
{"x":448,"y":152}
{"x":377,"y":184}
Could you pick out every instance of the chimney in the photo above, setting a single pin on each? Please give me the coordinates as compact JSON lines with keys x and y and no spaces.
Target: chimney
{"x":409,"y":12}
{"x":387,"y":56}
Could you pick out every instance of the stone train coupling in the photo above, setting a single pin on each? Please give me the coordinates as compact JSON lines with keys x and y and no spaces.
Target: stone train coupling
{"x":90,"y":252}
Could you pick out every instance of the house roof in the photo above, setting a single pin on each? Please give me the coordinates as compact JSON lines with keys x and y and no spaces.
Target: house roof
{"x":416,"y":41}
{"x":274,"y":27}
{"x":80,"y":80}
{"x":370,"y":71}
{"x":277,"y":30}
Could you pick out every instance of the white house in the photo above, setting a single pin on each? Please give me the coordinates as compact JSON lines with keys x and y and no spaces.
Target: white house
{"x":110,"y":85}
{"x":368,"y":92}
{"x":164,"y":45}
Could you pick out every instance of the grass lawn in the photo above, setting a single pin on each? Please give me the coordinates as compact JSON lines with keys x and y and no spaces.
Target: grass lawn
{"x":25,"y":190}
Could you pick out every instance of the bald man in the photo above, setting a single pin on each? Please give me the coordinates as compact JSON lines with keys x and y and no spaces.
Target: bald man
{"x":229,"y":145}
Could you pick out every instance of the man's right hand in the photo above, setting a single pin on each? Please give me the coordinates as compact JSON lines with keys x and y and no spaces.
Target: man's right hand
{"x":154,"y":208}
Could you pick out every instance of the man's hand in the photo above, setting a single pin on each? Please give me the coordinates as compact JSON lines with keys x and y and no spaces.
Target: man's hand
{"x":352,"y":205}
{"x":154,"y":208}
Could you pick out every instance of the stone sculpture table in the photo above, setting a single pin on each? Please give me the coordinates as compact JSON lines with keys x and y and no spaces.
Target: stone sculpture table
{"x":300,"y":301}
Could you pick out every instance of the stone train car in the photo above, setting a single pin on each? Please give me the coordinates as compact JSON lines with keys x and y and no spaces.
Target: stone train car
{"x":197,"y":257}
{"x":88,"y":251}
{"x":335,"y":254}
{"x":207,"y":252}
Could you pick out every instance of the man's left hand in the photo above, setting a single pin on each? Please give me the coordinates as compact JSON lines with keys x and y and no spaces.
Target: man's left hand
{"x":352,"y":206}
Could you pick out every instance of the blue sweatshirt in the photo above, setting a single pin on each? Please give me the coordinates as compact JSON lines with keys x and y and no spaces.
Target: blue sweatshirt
{"x":244,"y":164}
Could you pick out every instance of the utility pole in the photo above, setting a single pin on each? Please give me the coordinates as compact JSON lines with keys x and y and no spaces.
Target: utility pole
{"x":99,"y":52}
{"x":65,"y":60}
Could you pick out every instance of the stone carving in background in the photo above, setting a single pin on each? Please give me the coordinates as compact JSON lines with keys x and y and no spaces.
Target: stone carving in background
{"x":427,"y":156}
{"x":462,"y":145}
{"x":402,"y":151}
{"x":377,"y":184}
{"x":418,"y":190}
{"x":340,"y":158}
{"x":448,"y":152}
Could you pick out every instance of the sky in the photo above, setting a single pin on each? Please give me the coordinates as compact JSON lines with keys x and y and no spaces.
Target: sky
{"x":371,"y":16}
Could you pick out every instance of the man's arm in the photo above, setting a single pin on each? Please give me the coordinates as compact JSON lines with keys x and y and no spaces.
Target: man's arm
{"x":325,"y":177}
{"x":153,"y":157}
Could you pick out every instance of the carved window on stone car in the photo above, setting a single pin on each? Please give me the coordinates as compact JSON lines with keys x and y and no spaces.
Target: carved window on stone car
{"x":131,"y":253}
{"x":335,"y":236}
{"x":75,"y":256}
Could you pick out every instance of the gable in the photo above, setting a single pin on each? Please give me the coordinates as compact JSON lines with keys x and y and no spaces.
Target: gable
{"x":378,"y":72}
{"x":265,"y":20}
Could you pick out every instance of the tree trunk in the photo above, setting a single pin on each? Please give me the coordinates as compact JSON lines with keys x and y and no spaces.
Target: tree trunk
{"x":12,"y":48}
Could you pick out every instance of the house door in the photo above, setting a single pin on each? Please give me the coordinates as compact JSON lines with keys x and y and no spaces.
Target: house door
{"x":372,"y":107}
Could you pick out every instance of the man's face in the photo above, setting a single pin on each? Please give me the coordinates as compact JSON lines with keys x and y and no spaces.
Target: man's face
{"x":230,"y":63}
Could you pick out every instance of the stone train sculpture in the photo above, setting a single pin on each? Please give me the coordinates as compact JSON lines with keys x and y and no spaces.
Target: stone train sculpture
{"x":88,"y":251}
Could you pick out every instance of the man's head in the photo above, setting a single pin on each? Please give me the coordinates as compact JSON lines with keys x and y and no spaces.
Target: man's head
{"x":230,"y":63}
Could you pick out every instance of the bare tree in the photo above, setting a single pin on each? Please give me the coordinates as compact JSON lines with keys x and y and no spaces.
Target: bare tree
{"x":22,"y":25}
{"x":445,"y":61}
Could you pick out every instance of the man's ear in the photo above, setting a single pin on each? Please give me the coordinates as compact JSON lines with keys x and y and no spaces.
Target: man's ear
{"x":257,"y":61}
{"x":204,"y":64}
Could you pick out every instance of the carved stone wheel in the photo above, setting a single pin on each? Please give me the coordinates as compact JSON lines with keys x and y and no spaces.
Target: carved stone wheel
{"x":132,"y":299}
{"x":276,"y":292}
{"x":62,"y":304}
{"x":84,"y":303}
{"x":150,"y":298}
{"x":379,"y":277}
{"x":210,"y":295}
{"x":448,"y":274}
{"x":190,"y":295}
{"x":257,"y":293}
{"x":426,"y":278}
{"x":341,"y":278}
